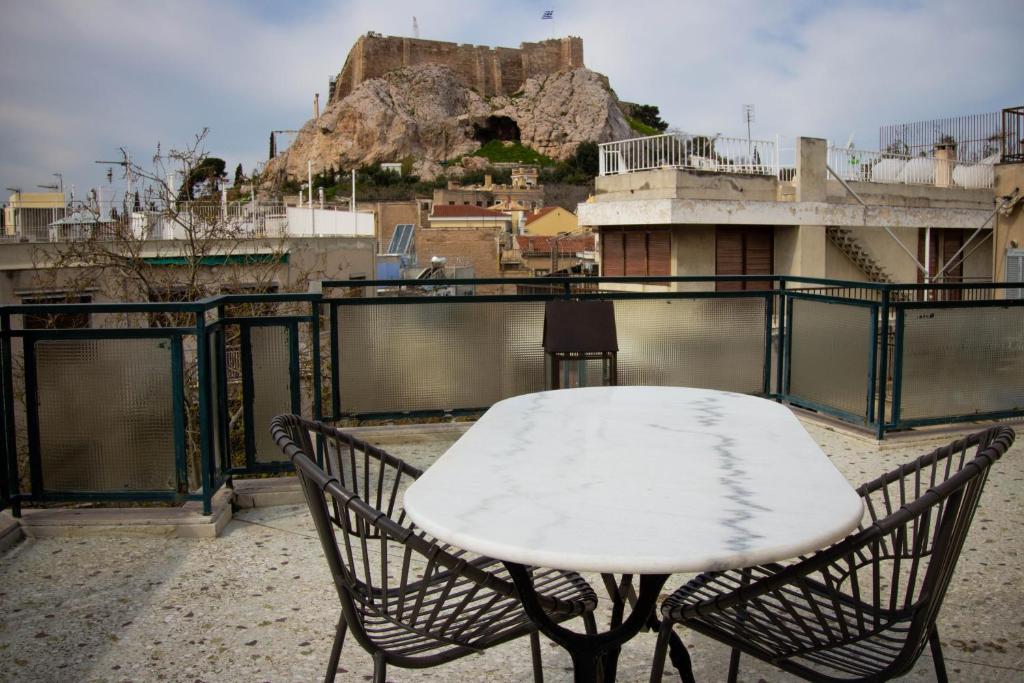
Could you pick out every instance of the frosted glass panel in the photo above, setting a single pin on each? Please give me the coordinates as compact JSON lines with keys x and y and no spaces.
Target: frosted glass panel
{"x":106,"y":415}
{"x":962,"y":361}
{"x":830,"y":354}
{"x":438,"y":356}
{"x":442,"y":356}
{"x":708,"y":343}
{"x":271,"y":386}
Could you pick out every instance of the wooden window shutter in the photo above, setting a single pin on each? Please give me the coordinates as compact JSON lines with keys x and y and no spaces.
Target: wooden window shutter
{"x":636,"y":252}
{"x":612,"y":253}
{"x":758,"y":256}
{"x":728,"y":256}
{"x":659,"y":252}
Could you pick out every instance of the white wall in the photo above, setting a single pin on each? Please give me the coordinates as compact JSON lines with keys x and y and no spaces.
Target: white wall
{"x":322,"y":222}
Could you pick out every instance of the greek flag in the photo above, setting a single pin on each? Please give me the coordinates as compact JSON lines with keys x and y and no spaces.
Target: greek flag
{"x":550,"y":14}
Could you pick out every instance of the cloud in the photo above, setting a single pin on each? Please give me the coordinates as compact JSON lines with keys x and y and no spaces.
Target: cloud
{"x":81,"y":80}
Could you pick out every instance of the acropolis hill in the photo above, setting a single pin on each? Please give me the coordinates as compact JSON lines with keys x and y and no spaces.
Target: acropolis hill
{"x":430,"y":101}
{"x":490,"y":71}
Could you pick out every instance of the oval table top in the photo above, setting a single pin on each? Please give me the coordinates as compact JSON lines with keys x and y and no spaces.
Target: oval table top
{"x":639,"y":480}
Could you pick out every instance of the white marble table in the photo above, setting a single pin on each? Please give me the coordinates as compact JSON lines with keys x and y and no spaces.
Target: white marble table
{"x":635,"y":480}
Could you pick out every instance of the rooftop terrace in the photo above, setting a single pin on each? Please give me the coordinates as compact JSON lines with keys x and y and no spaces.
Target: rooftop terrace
{"x":258,"y":604}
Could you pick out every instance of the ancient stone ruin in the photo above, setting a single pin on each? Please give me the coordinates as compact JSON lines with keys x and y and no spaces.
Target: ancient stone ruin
{"x":490,"y":71}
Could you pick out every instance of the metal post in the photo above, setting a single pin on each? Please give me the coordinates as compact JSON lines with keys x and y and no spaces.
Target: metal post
{"x":205,"y":459}
{"x":312,"y":212}
{"x":883,"y":364}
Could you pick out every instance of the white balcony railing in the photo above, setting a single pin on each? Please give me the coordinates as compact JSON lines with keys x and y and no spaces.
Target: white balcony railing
{"x":885,"y":167}
{"x":685,"y":150}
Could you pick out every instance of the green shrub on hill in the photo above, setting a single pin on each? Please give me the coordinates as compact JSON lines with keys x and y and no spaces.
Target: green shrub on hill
{"x":497,"y":151}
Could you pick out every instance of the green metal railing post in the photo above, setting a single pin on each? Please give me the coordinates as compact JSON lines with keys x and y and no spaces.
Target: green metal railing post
{"x":779,"y":354}
{"x":10,"y":465}
{"x":205,"y":425}
{"x":883,"y":363}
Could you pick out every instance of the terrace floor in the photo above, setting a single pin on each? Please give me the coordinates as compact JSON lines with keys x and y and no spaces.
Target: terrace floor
{"x":257,"y":603}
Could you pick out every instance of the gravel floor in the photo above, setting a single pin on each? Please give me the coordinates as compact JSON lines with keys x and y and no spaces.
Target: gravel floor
{"x":257,"y":603}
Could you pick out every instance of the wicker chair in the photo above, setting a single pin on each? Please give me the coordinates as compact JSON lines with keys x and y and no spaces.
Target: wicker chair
{"x":864,"y":608}
{"x":409,"y":600}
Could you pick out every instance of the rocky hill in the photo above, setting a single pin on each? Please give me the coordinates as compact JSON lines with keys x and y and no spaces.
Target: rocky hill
{"x":426,"y":112}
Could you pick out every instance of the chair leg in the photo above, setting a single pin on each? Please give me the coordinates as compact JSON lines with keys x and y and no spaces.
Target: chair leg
{"x":589,"y":624}
{"x":679,"y":655}
{"x":940,"y":662}
{"x":538,"y":672}
{"x":660,"y":651}
{"x":380,"y":667}
{"x":339,"y":642}
{"x":734,"y":665}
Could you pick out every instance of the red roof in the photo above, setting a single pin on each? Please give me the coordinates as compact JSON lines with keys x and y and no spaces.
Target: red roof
{"x":541,"y":244}
{"x":542,"y":212}
{"x":463,"y":211}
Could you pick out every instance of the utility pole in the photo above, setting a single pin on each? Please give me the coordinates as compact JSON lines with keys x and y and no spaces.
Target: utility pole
{"x":748,"y":114}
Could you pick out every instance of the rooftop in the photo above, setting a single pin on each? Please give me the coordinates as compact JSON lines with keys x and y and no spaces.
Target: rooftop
{"x":258,"y":604}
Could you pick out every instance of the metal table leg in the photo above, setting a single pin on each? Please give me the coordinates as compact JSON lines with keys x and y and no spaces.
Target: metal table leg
{"x":589,"y":651}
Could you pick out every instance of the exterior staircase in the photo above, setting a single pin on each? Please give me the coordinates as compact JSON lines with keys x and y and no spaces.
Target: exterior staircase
{"x":858,"y":254}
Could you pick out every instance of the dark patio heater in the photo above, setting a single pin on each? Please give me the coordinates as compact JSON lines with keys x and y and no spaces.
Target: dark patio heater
{"x":580,"y":342}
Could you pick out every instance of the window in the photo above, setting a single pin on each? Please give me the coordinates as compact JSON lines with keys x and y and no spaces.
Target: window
{"x":170,"y":318}
{"x":744,"y":250}
{"x":51,"y":321}
{"x":943,"y":246}
{"x":1015,"y":272}
{"x":636,"y":251}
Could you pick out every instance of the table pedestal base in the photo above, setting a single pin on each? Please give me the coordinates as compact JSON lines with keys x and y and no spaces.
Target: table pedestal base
{"x":597,"y":654}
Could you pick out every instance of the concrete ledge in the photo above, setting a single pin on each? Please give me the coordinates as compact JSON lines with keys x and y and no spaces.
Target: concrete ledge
{"x":186,"y":521}
{"x":258,"y":493}
{"x":10,"y":531}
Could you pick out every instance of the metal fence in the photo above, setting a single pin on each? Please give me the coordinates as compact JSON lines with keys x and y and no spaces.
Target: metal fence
{"x":887,"y":167}
{"x":974,"y":136}
{"x":686,"y":150}
{"x":1011,"y":140}
{"x":189,"y":389}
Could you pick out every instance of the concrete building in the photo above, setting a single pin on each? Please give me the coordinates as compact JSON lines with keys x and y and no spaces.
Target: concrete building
{"x":490,"y":194}
{"x":551,"y":220}
{"x":30,"y":213}
{"x":687,"y":215}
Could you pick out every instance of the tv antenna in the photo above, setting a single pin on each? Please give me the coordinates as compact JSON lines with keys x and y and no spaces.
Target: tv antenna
{"x":748,"y":115}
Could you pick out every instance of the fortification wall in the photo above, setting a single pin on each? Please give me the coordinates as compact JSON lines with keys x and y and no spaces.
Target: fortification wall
{"x":492,"y":71}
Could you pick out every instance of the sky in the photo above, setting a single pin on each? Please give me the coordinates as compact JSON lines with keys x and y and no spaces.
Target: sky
{"x":83,"y":78}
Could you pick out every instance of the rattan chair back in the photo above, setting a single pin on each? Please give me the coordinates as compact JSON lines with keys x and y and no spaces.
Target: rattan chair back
{"x":865,"y":607}
{"x":403,"y":594}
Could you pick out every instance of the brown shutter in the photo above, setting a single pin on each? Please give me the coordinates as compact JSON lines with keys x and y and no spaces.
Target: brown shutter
{"x":636,"y":252}
{"x":612,"y":254}
{"x":758,"y":255}
{"x":728,"y":256}
{"x":659,"y":252}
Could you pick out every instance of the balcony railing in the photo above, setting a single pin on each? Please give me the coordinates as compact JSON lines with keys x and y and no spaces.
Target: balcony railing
{"x":685,"y":150}
{"x":187,"y":390}
{"x":885,"y":167}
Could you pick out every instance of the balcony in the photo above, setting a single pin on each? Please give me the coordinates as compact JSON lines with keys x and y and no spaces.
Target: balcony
{"x":186,"y":391}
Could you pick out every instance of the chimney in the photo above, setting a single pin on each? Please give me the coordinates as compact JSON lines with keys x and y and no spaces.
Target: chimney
{"x":487,"y":181}
{"x":316,"y":106}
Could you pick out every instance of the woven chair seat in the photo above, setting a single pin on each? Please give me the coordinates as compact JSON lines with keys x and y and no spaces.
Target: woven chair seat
{"x":864,"y":608}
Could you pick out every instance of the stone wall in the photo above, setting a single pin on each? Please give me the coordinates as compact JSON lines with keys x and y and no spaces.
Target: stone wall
{"x":491,"y":71}
{"x":477,"y":247}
